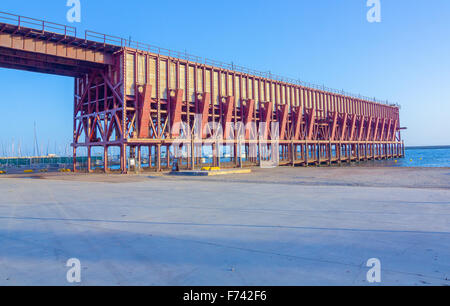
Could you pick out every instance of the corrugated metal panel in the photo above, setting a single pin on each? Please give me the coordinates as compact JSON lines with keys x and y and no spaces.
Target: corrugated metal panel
{"x":307,"y":98}
{"x":199,"y":80}
{"x":268,"y":95}
{"x":223,"y":84}
{"x":336,"y":104}
{"x":283,"y":94}
{"x":277,"y":90}
{"x":183,"y":80}
{"x":152,"y":75}
{"x":318,"y":97}
{"x":288,"y":98}
{"x":299,"y":97}
{"x":333,"y":103}
{"x":121,"y":74}
{"x":216,"y":87}
{"x":272,"y":94}
{"x":142,"y":69}
{"x":244,"y":88}
{"x":330,"y":103}
{"x":296,"y":97}
{"x":314,"y":99}
{"x":207,"y":86}
{"x":319,"y":101}
{"x":237,"y":95}
{"x":173,"y":75}
{"x":288,"y":95}
{"x":250,"y":89}
{"x":257,"y":94}
{"x":130,"y":79}
{"x":230,"y":85}
{"x":191,"y":92}
{"x":262,"y":87}
{"x":163,"y":79}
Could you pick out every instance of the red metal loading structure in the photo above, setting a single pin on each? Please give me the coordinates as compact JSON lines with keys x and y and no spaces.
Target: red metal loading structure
{"x":132,"y":95}
{"x":316,"y":126}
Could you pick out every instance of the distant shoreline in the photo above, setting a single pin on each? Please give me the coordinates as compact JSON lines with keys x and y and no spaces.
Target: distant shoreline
{"x":427,"y":147}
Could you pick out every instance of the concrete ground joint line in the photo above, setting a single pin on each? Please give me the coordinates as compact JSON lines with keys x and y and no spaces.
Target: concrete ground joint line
{"x":273,"y":253}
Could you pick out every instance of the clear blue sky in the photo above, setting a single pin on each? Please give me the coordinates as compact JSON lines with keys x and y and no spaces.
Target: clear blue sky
{"x":405,"y":58}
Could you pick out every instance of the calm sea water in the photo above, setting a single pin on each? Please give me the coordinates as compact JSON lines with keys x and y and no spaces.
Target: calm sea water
{"x":415,"y":157}
{"x":420,"y":157}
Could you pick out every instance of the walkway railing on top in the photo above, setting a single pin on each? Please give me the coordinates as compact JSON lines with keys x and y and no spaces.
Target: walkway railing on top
{"x":45,"y":26}
{"x":37,"y":24}
{"x":122,"y":42}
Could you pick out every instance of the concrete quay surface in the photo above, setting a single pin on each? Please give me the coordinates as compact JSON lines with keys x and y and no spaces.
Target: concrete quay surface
{"x":284,"y":226}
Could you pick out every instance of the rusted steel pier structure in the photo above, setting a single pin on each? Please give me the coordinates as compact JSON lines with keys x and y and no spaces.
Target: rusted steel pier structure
{"x":135,"y":96}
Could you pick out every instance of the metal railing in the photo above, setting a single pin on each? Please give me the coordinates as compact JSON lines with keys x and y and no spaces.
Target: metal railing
{"x":122,"y":42}
{"x":37,"y":24}
{"x":105,"y":39}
